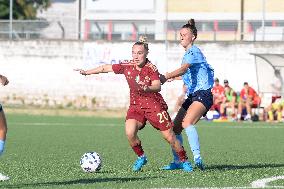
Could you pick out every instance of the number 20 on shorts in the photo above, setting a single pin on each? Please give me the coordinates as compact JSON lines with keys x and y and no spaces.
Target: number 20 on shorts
{"x":163,"y":116}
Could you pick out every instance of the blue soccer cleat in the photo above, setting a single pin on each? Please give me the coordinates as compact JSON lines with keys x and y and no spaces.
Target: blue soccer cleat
{"x":172,"y":166}
{"x":139,"y":163}
{"x":199,"y":163}
{"x":186,"y":166}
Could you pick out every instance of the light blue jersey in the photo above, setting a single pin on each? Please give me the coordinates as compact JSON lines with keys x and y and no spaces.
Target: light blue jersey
{"x":200,"y":74}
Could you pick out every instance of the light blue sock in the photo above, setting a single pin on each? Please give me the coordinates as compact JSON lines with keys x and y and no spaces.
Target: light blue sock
{"x":176,"y":158}
{"x":193,"y":140}
{"x":2,"y":146}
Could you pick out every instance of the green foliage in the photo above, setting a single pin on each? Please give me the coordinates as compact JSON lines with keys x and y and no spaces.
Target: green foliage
{"x":22,"y":9}
{"x":44,"y":152}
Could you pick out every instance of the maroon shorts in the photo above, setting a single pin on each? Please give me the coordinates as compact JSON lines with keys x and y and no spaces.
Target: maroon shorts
{"x":158,"y":117}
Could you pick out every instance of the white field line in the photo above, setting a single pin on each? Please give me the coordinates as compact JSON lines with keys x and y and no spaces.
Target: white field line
{"x":261,"y":183}
{"x":209,"y":188}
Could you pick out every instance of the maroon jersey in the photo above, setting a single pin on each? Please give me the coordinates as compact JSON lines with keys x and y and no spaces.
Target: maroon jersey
{"x":147,"y":74}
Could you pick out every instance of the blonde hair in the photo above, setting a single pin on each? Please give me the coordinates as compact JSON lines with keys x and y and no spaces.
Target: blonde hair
{"x":142,"y":41}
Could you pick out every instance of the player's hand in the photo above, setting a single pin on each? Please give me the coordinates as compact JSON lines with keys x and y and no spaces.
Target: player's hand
{"x":82,"y":72}
{"x":3,"y":80}
{"x":169,"y":79}
{"x":141,"y":86}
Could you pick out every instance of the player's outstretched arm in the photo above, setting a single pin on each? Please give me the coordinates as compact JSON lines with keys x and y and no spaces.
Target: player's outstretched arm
{"x":178,"y":72}
{"x":3,"y":80}
{"x":101,"y":69}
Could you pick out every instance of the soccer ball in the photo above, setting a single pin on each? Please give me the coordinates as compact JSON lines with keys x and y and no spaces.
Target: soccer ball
{"x":212,"y":115}
{"x":91,"y":162}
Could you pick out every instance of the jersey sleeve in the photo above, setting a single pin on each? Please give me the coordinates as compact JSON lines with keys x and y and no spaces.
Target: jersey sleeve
{"x":118,"y":68}
{"x":153,"y":72}
{"x":155,"y":76}
{"x":194,"y":56}
{"x":188,"y":58}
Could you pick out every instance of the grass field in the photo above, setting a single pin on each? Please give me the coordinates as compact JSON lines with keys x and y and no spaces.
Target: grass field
{"x":44,"y":152}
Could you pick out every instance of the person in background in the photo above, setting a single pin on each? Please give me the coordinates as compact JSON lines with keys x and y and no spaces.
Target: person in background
{"x":275,"y":110}
{"x":230,"y":101}
{"x":276,"y":85}
{"x":218,"y":95}
{"x":3,"y":126}
{"x":248,"y":99}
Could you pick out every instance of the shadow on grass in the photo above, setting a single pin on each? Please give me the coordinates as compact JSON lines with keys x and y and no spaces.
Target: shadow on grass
{"x":237,"y":167}
{"x":79,"y":181}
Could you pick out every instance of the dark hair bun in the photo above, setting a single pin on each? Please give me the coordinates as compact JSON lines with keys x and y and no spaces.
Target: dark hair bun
{"x":191,"y":22}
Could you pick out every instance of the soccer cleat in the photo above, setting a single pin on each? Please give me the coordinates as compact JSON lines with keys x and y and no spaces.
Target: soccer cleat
{"x":186,"y":166}
{"x":199,"y":163}
{"x":139,"y":163}
{"x":172,"y":166}
{"x":3,"y":177}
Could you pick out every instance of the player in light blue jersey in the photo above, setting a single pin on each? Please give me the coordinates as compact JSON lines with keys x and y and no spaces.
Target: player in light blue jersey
{"x":198,"y":76}
{"x":3,"y":126}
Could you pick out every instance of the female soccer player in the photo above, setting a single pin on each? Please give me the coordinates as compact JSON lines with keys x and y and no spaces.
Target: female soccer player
{"x":198,"y":76}
{"x":146,"y":103}
{"x":3,"y":127}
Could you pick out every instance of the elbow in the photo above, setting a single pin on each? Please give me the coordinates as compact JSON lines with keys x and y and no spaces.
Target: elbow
{"x":159,"y":88}
{"x":183,"y":70}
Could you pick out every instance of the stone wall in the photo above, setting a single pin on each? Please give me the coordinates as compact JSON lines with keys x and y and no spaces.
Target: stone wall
{"x":41,"y":72}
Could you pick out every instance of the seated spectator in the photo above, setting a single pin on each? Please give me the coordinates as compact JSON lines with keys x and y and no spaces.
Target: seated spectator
{"x":230,"y":101}
{"x":248,"y":99}
{"x":218,"y":95}
{"x":275,"y":110}
{"x":276,"y":85}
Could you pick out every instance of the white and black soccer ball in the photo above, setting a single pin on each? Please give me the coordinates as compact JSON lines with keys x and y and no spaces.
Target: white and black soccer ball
{"x":91,"y":162}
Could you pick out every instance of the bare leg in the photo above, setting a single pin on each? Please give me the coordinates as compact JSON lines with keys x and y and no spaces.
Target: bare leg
{"x":170,"y":137}
{"x":195,"y":111}
{"x":131,"y":129}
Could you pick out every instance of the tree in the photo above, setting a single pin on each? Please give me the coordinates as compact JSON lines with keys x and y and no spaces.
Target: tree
{"x":22,"y":9}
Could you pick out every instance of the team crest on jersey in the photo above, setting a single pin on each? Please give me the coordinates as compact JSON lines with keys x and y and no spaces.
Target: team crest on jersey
{"x":137,"y":79}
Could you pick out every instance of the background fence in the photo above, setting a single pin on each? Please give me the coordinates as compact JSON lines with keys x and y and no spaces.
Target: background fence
{"x":218,"y":30}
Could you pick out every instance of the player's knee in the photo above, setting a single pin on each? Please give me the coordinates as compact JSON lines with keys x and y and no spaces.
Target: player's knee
{"x":130,"y":136}
{"x":188,"y":122}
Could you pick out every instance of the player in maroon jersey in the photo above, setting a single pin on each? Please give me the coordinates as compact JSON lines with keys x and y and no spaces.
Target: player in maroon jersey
{"x":146,"y":103}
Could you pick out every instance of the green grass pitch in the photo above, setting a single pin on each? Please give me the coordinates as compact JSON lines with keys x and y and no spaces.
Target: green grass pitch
{"x":44,"y":152}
